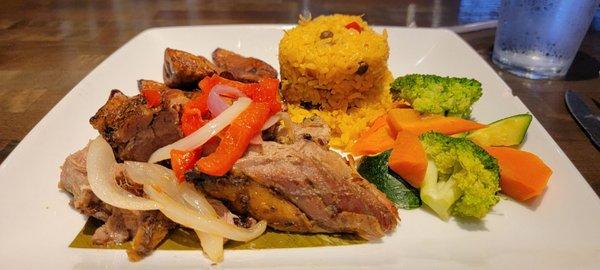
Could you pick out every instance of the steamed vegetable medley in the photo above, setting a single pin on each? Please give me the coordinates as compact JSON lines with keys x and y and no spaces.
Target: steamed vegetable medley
{"x":427,"y":150}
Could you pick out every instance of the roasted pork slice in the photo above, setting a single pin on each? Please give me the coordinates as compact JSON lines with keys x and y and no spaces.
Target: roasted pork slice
{"x":135,"y":131}
{"x":310,"y":188}
{"x":249,"y":198}
{"x":312,"y":128}
{"x":183,"y":70}
{"x":73,"y":179}
{"x":146,"y":228}
{"x":240,"y":68}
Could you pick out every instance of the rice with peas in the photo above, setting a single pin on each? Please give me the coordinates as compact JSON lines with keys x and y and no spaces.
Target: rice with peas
{"x":331,"y":69}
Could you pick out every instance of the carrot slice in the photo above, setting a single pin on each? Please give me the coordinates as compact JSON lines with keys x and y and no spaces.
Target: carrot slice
{"x":441,"y":124}
{"x":378,"y":138}
{"x":378,"y":123}
{"x":398,"y":117}
{"x":411,"y":120}
{"x":523,"y":175}
{"x":408,"y":158}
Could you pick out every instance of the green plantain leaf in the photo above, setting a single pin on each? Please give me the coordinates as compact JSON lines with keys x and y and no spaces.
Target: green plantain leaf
{"x":186,"y":239}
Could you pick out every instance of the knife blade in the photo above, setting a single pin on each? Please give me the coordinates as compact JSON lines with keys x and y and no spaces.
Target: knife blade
{"x":589,"y":121}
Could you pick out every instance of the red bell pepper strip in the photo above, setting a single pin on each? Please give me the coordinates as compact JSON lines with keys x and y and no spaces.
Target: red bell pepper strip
{"x":194,"y":113}
{"x":198,"y":105}
{"x":355,"y":26}
{"x":268,"y":92}
{"x":235,"y":140}
{"x":153,"y":97}
{"x":183,"y":161}
{"x":191,"y":122}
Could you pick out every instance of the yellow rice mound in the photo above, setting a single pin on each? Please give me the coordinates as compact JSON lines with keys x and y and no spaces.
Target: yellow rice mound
{"x":323,"y":73}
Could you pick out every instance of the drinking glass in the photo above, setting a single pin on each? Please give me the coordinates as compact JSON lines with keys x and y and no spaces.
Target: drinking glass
{"x":538,"y":39}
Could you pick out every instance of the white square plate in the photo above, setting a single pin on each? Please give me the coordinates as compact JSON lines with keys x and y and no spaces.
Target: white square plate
{"x":559,"y":230}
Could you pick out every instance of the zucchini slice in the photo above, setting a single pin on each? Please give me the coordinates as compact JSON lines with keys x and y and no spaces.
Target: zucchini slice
{"x":375,"y":170}
{"x":509,"y":131}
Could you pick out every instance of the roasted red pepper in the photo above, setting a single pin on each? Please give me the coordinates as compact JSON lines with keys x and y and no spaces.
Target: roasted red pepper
{"x":194,"y":114}
{"x":191,"y":122}
{"x":266,"y":90}
{"x":153,"y":97}
{"x":235,"y":140}
{"x":355,"y":26}
{"x":183,"y":161}
{"x":208,"y":83}
{"x":198,"y":105}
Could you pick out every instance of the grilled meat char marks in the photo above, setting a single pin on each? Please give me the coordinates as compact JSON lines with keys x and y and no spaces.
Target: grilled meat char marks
{"x":248,"y":197}
{"x":152,"y":85}
{"x":135,"y":131}
{"x":240,"y":68}
{"x":183,"y":70}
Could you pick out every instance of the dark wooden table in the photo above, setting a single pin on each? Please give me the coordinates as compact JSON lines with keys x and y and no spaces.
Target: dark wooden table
{"x":46,"y":47}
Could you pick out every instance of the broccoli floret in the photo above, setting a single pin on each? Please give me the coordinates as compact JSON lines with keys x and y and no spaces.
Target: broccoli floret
{"x":449,"y":96}
{"x":461,"y":180}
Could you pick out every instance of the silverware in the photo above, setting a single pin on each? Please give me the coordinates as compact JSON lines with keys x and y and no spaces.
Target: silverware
{"x":472,"y":27}
{"x":465,"y":28}
{"x":589,"y":121}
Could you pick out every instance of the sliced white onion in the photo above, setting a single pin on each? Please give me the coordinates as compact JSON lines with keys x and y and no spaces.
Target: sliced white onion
{"x":165,"y":179}
{"x":197,"y":200}
{"x":287,"y":120}
{"x":212,"y":245}
{"x":216,"y":104}
{"x":287,"y":124}
{"x":203,"y":134}
{"x":101,"y":167}
{"x":152,"y":174}
{"x":272,"y":121}
{"x":192,"y":219}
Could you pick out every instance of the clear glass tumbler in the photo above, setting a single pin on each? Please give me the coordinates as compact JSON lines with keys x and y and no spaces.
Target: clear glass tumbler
{"x":538,"y":39}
